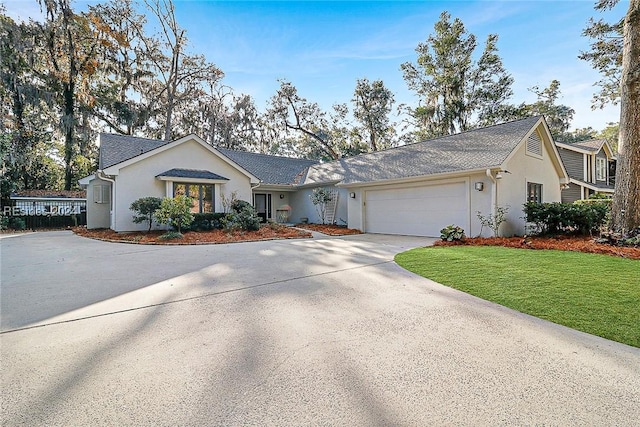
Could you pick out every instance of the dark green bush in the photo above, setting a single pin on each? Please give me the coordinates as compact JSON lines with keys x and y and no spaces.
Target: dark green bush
{"x":242,"y":217}
{"x":238,"y":205}
{"x":207,"y":221}
{"x":144,"y":210}
{"x":566,"y":218}
{"x":17,"y":223}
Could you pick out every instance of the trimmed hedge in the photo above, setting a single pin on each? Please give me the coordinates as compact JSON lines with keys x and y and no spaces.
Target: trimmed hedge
{"x":567,"y":218}
{"x":208,"y":221}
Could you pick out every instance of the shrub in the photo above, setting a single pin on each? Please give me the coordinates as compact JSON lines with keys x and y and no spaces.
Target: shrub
{"x":170,"y":235}
{"x":207,"y":221}
{"x":562,"y":218}
{"x":632,"y":238}
{"x":242,"y":217}
{"x":144,"y":209}
{"x":452,"y":233}
{"x":238,"y":205}
{"x":17,"y":223}
{"x":4,"y":221}
{"x":175,"y":212}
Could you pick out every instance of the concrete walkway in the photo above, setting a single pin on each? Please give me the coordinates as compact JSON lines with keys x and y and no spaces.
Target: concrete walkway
{"x":296,"y":332}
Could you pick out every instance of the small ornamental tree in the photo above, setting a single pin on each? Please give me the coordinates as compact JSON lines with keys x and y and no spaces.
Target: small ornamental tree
{"x":144,"y":209}
{"x":493,"y":221}
{"x":175,"y":211}
{"x":320,"y":197}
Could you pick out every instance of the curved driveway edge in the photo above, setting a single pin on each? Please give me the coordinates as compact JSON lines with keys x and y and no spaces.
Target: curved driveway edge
{"x":297,"y":332}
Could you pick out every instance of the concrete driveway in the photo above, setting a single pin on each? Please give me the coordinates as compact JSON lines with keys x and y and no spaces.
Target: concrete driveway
{"x":322,"y":331}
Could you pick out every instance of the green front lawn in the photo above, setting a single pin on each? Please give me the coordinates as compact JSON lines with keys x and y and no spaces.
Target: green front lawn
{"x":597,"y":294}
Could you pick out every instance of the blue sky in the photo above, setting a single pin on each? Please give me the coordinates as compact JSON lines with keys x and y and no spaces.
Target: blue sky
{"x":323,"y":47}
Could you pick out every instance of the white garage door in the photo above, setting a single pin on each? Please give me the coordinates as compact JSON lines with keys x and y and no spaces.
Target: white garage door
{"x":417,"y":211}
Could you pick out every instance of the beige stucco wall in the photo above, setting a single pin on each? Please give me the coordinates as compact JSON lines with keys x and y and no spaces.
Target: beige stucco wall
{"x":512,"y":188}
{"x":303,"y":208}
{"x":98,"y":214}
{"x":276,"y":202}
{"x":139,"y":179}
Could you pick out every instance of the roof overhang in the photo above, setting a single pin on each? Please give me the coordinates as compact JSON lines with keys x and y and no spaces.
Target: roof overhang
{"x":276,"y":187}
{"x":37,"y":199}
{"x":591,"y":186}
{"x":86,"y":180}
{"x":430,"y":177}
{"x":605,"y":146}
{"x":192,"y":180}
{"x":335,"y":182}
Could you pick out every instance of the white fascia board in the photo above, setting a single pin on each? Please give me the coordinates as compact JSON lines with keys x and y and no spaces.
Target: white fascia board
{"x":87,"y":179}
{"x":572,"y":148}
{"x":591,"y":187}
{"x":276,"y":187}
{"x":431,"y":177}
{"x":192,"y":180}
{"x":56,"y":199}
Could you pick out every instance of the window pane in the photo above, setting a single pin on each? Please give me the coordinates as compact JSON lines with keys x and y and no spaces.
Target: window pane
{"x":534,"y":192}
{"x":207,"y":198}
{"x":179,"y":190}
{"x":193,"y":191}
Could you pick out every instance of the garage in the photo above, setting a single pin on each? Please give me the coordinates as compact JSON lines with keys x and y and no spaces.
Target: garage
{"x":417,"y":210}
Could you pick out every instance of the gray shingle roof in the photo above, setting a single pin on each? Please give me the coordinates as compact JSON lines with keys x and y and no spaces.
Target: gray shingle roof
{"x":593,"y":145}
{"x":115,"y":149}
{"x":277,"y":170}
{"x":192,"y":173}
{"x":476,"y":149}
{"x":270,"y":169}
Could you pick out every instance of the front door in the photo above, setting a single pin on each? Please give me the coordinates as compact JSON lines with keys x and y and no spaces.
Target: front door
{"x":262,"y":204}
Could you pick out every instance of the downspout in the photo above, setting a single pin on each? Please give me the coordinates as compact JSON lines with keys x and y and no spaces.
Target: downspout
{"x":100,"y":174}
{"x":494,"y":192}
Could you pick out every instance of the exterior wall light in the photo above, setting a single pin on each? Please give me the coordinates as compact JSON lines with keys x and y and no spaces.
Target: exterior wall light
{"x":282,"y":196}
{"x":480,"y":186}
{"x":352,"y":195}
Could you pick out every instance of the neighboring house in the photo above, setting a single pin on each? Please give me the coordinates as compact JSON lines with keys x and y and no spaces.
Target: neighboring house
{"x":415,"y":189}
{"x":591,"y":166}
{"x":42,"y":208}
{"x":49,"y":202}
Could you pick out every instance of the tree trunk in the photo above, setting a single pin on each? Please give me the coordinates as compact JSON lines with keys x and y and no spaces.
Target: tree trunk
{"x":625,"y":214}
{"x":68,"y":125}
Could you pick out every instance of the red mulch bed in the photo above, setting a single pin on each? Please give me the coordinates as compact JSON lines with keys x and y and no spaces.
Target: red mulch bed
{"x":563,"y":243}
{"x":330,"y":229}
{"x":195,"y":237}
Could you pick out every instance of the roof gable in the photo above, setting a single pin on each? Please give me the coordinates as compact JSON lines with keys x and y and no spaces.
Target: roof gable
{"x":115,"y":149}
{"x":591,"y":146}
{"x":147,"y":148}
{"x":478,"y":149}
{"x":274,"y":170}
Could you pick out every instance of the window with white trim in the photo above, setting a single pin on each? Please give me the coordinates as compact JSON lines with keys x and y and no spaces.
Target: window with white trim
{"x":101,"y":193}
{"x":534,"y":192}
{"x":601,"y":169}
{"x":201,"y":195}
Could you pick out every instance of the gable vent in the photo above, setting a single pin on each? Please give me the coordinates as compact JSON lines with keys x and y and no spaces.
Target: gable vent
{"x":534,"y":144}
